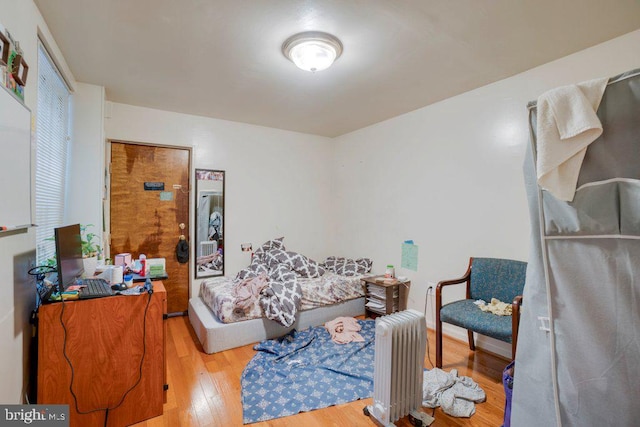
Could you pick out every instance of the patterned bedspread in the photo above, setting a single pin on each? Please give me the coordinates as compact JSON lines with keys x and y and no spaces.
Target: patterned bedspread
{"x":327,"y":289}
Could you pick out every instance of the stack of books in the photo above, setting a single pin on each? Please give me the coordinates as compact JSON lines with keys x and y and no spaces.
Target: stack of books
{"x":377,"y":297}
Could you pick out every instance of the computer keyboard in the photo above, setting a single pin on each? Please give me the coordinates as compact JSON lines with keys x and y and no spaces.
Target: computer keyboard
{"x":95,"y":288}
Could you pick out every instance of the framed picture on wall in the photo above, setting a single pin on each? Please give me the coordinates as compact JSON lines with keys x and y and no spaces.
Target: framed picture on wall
{"x":20,"y":70}
{"x":5,"y":47}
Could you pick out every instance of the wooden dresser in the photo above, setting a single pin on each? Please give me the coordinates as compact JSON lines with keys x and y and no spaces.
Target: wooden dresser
{"x":100,"y":349}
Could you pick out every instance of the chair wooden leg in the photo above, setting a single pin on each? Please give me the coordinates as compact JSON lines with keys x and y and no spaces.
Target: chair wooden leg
{"x":514,"y":342}
{"x":438,"y":344}
{"x":438,"y":327}
{"x":472,"y":344}
{"x":515,"y":323}
{"x":438,"y":341}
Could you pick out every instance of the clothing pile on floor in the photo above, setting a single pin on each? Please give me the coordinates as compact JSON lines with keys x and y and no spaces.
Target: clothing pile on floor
{"x":455,"y":395}
{"x":344,"y":330}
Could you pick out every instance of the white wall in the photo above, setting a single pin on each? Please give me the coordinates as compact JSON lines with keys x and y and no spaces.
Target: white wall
{"x":17,"y":250}
{"x":449,"y":176}
{"x":277,"y":183}
{"x":86,"y":174}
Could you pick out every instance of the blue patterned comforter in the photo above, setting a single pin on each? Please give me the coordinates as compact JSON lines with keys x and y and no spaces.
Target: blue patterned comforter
{"x":305,"y":370}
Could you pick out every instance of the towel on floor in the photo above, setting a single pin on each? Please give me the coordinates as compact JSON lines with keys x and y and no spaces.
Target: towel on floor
{"x":456,"y":395}
{"x":567,"y":124}
{"x":344,"y":330}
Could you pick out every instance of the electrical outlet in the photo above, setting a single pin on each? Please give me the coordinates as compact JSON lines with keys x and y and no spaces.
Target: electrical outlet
{"x":431,"y":288}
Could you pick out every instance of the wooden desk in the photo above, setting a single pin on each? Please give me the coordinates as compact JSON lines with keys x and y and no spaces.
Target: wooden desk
{"x":107,"y":341}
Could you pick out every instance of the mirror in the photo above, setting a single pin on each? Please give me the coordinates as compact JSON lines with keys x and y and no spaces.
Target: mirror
{"x":209,"y":223}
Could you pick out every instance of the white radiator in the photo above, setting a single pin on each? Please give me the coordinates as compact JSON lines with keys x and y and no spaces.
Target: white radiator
{"x":208,"y":247}
{"x":398,"y":367}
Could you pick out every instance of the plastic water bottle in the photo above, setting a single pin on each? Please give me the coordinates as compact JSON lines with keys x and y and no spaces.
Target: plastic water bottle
{"x":390,"y":272}
{"x":143,"y":265}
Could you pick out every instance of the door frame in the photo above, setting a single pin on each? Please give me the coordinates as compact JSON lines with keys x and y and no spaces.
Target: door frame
{"x":106,"y":201}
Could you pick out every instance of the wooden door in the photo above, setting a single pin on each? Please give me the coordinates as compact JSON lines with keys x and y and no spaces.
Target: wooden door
{"x":147,"y":207}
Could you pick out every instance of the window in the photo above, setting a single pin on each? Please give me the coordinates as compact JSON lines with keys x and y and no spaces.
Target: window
{"x":52,"y":142}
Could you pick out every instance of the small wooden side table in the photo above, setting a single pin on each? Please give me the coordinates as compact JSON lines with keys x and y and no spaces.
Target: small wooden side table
{"x":384,"y":296}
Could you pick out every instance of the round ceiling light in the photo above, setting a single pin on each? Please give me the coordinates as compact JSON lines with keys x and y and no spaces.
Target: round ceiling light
{"x":312,"y":50}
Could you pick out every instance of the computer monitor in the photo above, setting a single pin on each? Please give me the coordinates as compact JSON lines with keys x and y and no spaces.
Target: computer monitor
{"x":68,"y":255}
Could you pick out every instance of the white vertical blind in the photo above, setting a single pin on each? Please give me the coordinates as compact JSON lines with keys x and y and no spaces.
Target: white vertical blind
{"x":52,"y":139}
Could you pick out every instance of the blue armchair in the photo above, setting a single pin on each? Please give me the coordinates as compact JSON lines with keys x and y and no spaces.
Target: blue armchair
{"x":486,"y":278}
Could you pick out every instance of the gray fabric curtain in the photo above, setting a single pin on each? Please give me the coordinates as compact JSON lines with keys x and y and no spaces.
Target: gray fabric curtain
{"x":578,"y":356}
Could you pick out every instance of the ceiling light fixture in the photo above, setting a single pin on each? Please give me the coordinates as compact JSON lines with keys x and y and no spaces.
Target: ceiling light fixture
{"x":312,"y":50}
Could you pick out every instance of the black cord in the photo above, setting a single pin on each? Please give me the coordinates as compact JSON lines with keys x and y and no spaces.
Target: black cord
{"x":144,"y":351}
{"x":426,"y":305}
{"x":40,"y":272}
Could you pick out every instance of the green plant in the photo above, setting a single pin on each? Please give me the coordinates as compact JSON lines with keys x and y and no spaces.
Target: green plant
{"x":89,"y":247}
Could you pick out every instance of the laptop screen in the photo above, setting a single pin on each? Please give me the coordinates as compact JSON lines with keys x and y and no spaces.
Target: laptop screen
{"x":68,"y":255}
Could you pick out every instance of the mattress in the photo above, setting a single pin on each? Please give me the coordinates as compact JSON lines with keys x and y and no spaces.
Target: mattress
{"x":216,"y":336}
{"x":330,"y":288}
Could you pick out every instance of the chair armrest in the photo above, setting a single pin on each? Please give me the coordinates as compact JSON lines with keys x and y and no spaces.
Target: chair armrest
{"x":517,"y":303}
{"x":515,"y":311}
{"x":443,"y":283}
{"x":453,"y":281}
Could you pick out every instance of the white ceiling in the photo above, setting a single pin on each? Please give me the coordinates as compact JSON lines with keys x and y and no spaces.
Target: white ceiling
{"x":222,"y":58}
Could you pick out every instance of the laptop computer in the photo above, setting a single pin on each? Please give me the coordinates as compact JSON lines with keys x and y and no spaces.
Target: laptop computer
{"x":71,"y":268}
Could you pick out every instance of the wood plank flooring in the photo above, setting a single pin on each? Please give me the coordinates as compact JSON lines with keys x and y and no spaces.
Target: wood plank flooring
{"x":204,"y":389}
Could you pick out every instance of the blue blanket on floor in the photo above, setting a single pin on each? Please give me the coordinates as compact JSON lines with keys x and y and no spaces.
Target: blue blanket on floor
{"x":305,"y":370}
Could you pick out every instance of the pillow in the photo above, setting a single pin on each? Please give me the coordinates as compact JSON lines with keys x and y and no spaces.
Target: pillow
{"x":331,"y":262}
{"x":347,"y":266}
{"x":308,"y":268}
{"x":254,"y":270}
{"x":267,"y":246}
{"x":303,"y":266}
{"x":364,"y":264}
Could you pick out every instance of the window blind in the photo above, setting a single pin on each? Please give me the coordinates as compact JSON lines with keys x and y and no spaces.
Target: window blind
{"x":52,"y":143}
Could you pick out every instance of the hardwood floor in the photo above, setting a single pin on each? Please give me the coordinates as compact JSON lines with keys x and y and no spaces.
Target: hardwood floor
{"x":204,"y":389}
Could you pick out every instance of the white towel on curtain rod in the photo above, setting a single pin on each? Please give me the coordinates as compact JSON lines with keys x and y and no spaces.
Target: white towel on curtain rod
{"x":567,"y":124}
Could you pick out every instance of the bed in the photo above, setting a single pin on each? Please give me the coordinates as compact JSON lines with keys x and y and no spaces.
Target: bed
{"x":280,"y":291}
{"x":321,"y":302}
